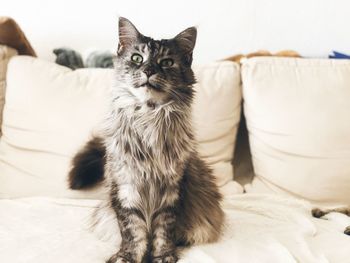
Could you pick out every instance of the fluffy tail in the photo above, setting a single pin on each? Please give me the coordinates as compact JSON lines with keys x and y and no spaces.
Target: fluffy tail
{"x":88,"y":165}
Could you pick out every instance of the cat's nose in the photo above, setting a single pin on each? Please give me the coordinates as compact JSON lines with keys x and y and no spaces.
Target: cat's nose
{"x":149,"y":71}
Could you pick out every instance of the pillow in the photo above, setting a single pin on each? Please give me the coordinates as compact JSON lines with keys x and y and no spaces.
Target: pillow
{"x":50,"y":112}
{"x":216,"y":116}
{"x":298,"y":118}
{"x":5,"y":54}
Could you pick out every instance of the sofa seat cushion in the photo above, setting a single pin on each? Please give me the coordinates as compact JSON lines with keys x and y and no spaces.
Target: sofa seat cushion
{"x":259,"y":228}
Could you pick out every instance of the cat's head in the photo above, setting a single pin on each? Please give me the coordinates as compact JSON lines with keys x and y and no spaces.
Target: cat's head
{"x":155,"y":71}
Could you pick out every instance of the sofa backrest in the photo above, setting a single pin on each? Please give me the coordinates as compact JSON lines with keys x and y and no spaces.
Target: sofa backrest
{"x":296,"y":110}
{"x":298,"y":118}
{"x":50,"y":112}
{"x":5,"y":54}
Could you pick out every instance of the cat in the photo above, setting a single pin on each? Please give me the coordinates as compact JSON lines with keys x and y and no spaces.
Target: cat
{"x":318,"y":213}
{"x":162,"y":193}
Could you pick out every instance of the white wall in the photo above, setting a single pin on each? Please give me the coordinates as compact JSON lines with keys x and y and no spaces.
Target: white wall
{"x":226,"y":27}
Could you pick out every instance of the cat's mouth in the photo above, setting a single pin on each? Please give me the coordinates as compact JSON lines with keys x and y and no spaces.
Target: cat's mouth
{"x":152,"y":86}
{"x":150,"y":92}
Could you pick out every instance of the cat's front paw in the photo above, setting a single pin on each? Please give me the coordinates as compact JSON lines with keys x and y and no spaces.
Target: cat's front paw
{"x":168,"y":258}
{"x":118,"y":259}
{"x":347,"y":231}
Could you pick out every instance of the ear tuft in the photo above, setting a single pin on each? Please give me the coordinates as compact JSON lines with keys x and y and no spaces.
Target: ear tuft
{"x":187,"y":39}
{"x":128,"y":33}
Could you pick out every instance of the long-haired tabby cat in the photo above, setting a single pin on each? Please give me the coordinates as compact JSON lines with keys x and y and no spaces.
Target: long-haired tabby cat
{"x":162,"y":192}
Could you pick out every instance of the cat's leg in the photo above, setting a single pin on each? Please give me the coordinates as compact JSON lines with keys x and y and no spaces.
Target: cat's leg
{"x":200,"y":218}
{"x":163,"y":236}
{"x":134,"y":235}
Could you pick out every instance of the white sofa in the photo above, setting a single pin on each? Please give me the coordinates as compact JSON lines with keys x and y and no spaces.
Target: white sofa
{"x":298,"y":119}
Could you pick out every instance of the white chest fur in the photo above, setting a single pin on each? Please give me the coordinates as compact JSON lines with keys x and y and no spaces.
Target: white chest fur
{"x":146,"y":154}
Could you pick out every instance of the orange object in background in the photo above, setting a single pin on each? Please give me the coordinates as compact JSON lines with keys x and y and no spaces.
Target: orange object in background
{"x":12,"y":36}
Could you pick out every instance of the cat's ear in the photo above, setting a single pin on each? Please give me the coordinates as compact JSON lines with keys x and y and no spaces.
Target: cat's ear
{"x":186,"y":40}
{"x":128,"y":33}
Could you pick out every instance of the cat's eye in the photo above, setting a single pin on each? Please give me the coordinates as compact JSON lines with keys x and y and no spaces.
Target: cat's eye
{"x":137,"y":58}
{"x":167,"y":62}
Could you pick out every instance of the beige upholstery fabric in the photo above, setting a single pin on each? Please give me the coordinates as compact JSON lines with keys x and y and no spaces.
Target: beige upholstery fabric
{"x":50,"y":112}
{"x":5,"y":54}
{"x":298,"y":117}
{"x":216,"y":111}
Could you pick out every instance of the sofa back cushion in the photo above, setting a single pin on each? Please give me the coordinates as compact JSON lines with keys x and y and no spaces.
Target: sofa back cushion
{"x":298,"y":118}
{"x":5,"y":54}
{"x":50,"y":112}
